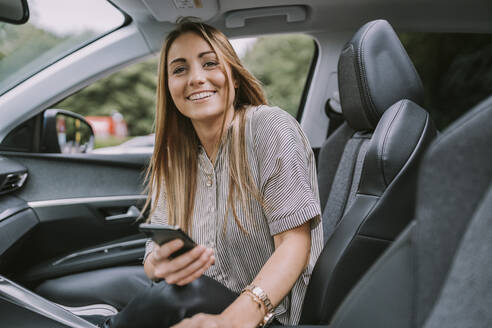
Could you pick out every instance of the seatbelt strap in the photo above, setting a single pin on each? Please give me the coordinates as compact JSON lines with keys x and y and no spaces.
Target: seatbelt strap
{"x":334,"y":112}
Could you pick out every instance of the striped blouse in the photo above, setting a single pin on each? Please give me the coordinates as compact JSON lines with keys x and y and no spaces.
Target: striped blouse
{"x":283,"y":167}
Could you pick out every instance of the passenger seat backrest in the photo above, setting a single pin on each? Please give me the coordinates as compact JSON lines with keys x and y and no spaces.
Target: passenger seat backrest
{"x":437,"y":274}
{"x":457,"y":175}
{"x":382,"y":203}
{"x":383,"y":206}
{"x":465,"y":299}
{"x":374,"y":72}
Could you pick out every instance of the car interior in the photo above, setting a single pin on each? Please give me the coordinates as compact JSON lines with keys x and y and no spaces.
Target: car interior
{"x":405,"y":207}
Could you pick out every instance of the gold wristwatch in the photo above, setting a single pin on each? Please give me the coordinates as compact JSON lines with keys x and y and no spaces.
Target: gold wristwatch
{"x":260,"y":295}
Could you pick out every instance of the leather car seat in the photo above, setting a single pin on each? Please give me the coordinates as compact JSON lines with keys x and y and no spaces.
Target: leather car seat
{"x":437,"y":274}
{"x":369,"y":196}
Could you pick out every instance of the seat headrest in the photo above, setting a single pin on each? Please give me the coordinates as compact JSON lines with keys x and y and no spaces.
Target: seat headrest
{"x":374,"y":72}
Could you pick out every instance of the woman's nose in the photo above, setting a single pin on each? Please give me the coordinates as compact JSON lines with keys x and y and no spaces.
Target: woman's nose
{"x":197,"y":76}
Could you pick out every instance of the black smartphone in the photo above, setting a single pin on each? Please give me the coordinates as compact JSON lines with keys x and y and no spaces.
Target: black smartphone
{"x":161,"y":234}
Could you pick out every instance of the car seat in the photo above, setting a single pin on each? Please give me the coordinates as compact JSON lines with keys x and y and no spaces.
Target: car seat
{"x":437,"y":274}
{"x":369,"y":191}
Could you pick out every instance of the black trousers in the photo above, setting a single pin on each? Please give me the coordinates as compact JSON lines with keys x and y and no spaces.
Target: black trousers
{"x":163,"y":305}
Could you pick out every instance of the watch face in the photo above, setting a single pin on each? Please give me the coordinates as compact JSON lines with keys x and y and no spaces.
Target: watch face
{"x":257,"y":290}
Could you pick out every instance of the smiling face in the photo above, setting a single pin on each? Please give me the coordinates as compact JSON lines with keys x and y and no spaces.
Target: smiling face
{"x":196,"y":80}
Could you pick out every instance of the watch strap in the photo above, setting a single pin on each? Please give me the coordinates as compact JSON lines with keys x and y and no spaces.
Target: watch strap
{"x":259,"y":295}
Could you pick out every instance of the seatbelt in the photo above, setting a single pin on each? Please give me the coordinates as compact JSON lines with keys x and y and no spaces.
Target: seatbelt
{"x":334,"y":112}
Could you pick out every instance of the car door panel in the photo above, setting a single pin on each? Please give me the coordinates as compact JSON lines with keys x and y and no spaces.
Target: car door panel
{"x":14,"y":227}
{"x":119,"y":252}
{"x":86,"y":209}
{"x":56,"y":176}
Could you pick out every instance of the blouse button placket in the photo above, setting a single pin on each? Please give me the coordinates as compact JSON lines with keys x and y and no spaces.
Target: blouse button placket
{"x":210,"y":180}
{"x":211,"y":208}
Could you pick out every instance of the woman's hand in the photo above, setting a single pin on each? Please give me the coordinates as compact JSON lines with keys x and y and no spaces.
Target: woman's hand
{"x":181,"y":270}
{"x":202,"y":320}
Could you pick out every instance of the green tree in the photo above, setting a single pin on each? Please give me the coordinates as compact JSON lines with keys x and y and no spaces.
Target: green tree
{"x":130,"y":91}
{"x":281,"y":63}
{"x":26,"y":49}
{"x":21,"y":45}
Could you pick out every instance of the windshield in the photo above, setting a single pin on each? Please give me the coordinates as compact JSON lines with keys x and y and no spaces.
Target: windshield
{"x":55,"y":29}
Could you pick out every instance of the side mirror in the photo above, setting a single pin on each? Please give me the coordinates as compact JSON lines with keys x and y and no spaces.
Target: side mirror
{"x":66,"y":132}
{"x":14,"y":11}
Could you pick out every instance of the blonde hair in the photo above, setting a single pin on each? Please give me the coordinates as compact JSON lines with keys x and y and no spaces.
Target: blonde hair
{"x":175,"y":157}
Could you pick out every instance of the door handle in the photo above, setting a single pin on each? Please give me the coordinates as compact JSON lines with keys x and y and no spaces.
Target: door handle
{"x":132,"y":213}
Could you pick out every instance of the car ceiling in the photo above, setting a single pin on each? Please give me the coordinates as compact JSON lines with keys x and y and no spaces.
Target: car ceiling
{"x":321,"y":15}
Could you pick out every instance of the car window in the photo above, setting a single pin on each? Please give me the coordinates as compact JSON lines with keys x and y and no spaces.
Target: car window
{"x":282,"y":64}
{"x":121,"y":106}
{"x":55,"y":29}
{"x":456,"y":70}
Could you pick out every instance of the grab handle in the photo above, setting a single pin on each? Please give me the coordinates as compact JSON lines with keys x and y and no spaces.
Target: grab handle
{"x":238,"y":18}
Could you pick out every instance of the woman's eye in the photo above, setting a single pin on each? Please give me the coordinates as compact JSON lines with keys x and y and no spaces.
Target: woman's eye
{"x":178,"y":70}
{"x":210,"y":64}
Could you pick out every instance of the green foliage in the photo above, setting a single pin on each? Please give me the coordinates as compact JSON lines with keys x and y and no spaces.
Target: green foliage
{"x":22,"y":44}
{"x":456,"y":70}
{"x":281,"y":63}
{"x":130,"y":91}
{"x":26,"y":49}
{"x":13,"y":38}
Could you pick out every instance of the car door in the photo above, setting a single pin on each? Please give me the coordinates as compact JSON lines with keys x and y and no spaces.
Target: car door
{"x":82,"y":208}
{"x":87,"y":207}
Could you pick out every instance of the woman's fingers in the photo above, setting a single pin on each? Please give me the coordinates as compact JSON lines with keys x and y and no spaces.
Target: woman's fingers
{"x":160,"y":258}
{"x":164,"y":251}
{"x":193,"y":263}
{"x":189,"y":257}
{"x":196,"y":274}
{"x":183,"y":269}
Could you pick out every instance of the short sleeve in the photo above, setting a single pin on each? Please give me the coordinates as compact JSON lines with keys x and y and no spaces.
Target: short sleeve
{"x":159,"y":216}
{"x":287,"y":170}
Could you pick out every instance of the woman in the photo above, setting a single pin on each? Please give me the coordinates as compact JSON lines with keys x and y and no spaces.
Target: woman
{"x":240,"y":178}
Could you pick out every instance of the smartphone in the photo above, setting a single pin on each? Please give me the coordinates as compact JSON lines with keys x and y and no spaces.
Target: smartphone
{"x":161,"y":234}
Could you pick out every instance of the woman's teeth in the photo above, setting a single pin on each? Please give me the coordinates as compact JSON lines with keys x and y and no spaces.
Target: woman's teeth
{"x":200,"y":95}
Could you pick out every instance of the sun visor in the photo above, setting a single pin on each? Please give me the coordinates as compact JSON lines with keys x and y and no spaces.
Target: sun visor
{"x":169,"y":11}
